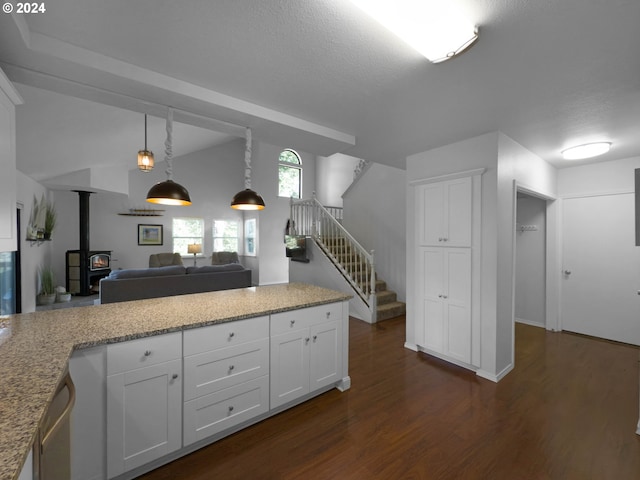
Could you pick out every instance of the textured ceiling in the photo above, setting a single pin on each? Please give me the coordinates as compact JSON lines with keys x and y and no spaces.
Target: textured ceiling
{"x":549,"y":74}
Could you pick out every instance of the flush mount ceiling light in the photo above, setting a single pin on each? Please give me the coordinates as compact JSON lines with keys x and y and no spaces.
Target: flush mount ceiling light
{"x":436,"y":29}
{"x":169,"y":192}
{"x":247,"y":199}
{"x":145,"y":157}
{"x":587,"y":150}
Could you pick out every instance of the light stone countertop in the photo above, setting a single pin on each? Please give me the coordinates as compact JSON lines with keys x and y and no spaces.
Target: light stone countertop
{"x":35,"y":347}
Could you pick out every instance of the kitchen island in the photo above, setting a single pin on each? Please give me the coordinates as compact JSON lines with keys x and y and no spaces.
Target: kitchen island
{"x":35,"y":348}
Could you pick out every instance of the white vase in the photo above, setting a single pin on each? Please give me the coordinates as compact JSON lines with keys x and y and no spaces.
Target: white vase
{"x":63,"y":297}
{"x":46,"y":299}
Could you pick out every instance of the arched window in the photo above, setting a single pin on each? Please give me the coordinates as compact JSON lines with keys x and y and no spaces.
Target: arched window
{"x":289,"y":174}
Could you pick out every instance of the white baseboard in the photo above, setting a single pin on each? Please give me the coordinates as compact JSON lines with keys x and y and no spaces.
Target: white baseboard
{"x":446,"y":359}
{"x":530,"y":322}
{"x":495,"y":377}
{"x":411,"y":346}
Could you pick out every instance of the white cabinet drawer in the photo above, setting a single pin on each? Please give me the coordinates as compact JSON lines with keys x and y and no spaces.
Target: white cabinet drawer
{"x":199,"y":340}
{"x":295,"y":319}
{"x":143,"y":352}
{"x":210,"y":414}
{"x":209,"y":372}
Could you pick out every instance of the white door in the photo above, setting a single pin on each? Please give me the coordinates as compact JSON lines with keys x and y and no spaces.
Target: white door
{"x":144,"y":415}
{"x":431,"y":284}
{"x":457,"y":301}
{"x":289,"y":366}
{"x":601,"y":268}
{"x":325,"y":356}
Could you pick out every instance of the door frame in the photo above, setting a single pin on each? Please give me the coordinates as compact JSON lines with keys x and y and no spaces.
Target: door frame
{"x":552,"y":260}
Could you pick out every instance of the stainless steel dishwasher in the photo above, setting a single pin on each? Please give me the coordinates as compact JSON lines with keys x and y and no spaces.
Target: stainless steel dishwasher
{"x":52,"y":455}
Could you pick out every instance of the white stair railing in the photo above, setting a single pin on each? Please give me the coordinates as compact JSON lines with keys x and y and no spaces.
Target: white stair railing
{"x":311,"y":218}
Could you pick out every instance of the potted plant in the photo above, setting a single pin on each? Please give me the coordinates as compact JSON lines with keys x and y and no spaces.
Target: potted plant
{"x":49,"y":220}
{"x":62,"y":296}
{"x":47,"y":294}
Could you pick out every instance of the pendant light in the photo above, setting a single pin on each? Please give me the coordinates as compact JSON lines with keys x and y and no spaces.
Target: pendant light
{"x":145,"y":157}
{"x":169,"y":192}
{"x":247,"y":199}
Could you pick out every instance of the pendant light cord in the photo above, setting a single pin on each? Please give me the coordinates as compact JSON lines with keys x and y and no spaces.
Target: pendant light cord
{"x":145,"y":131}
{"x":247,"y":160}
{"x":168,"y":150}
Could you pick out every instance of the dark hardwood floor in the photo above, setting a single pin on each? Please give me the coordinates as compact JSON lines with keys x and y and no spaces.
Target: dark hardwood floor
{"x":567,"y":411}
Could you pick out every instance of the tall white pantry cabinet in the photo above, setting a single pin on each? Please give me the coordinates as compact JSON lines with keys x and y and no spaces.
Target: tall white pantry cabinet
{"x":446,"y":252}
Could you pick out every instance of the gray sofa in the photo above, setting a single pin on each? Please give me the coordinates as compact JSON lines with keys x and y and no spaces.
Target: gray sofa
{"x":138,"y":284}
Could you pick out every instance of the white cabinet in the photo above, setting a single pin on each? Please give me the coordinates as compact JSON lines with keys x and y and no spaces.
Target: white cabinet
{"x":27,"y":469}
{"x":445,"y":301}
{"x":9,"y":98}
{"x":88,"y":418}
{"x":144,"y":401}
{"x":226,"y":376}
{"x":306,"y":351}
{"x":445,"y":211}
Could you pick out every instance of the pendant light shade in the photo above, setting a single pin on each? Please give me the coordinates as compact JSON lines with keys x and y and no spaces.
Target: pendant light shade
{"x":169,"y":192}
{"x":247,"y":199}
{"x":145,"y":157}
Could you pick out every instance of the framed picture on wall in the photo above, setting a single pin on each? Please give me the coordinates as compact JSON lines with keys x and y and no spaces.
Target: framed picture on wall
{"x":149,"y":234}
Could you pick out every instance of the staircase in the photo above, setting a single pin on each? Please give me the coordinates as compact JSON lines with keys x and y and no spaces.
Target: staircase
{"x":340,"y":251}
{"x":354,"y":263}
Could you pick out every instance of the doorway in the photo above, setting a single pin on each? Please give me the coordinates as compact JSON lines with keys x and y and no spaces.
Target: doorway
{"x":530,"y":260}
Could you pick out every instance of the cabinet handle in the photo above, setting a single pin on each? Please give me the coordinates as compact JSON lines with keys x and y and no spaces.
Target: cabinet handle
{"x":231,"y":408}
{"x":444,"y":296}
{"x":328,"y":314}
{"x":306,"y":340}
{"x":174,"y":376}
{"x":231,"y":367}
{"x":440,"y":239}
{"x":440,"y":296}
{"x":293,"y":322}
{"x":315,"y":337}
{"x":147,"y":353}
{"x":231,"y":335}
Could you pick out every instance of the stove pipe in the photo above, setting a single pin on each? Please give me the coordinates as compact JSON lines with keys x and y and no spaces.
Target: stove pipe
{"x":84,"y":220}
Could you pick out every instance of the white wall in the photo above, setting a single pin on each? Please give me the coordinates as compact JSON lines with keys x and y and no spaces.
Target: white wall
{"x":371,"y":207}
{"x":272,"y":264}
{"x":33,"y":255}
{"x":607,"y":177}
{"x":211,"y":176}
{"x":530,"y":261}
{"x":334,"y":174}
{"x":516,"y":165}
{"x":507,"y":163}
{"x":478,"y":152}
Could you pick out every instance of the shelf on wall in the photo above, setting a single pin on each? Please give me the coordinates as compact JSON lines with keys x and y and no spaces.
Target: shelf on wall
{"x":143,"y":212}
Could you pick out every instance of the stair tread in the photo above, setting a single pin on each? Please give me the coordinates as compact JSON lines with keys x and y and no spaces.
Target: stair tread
{"x":391,"y":305}
{"x":390,"y":310}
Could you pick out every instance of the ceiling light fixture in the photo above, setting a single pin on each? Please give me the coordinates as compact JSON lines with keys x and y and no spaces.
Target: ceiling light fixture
{"x":247,"y":199}
{"x":145,"y":157}
{"x":587,"y":150}
{"x":169,"y":192}
{"x":438,"y":30}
